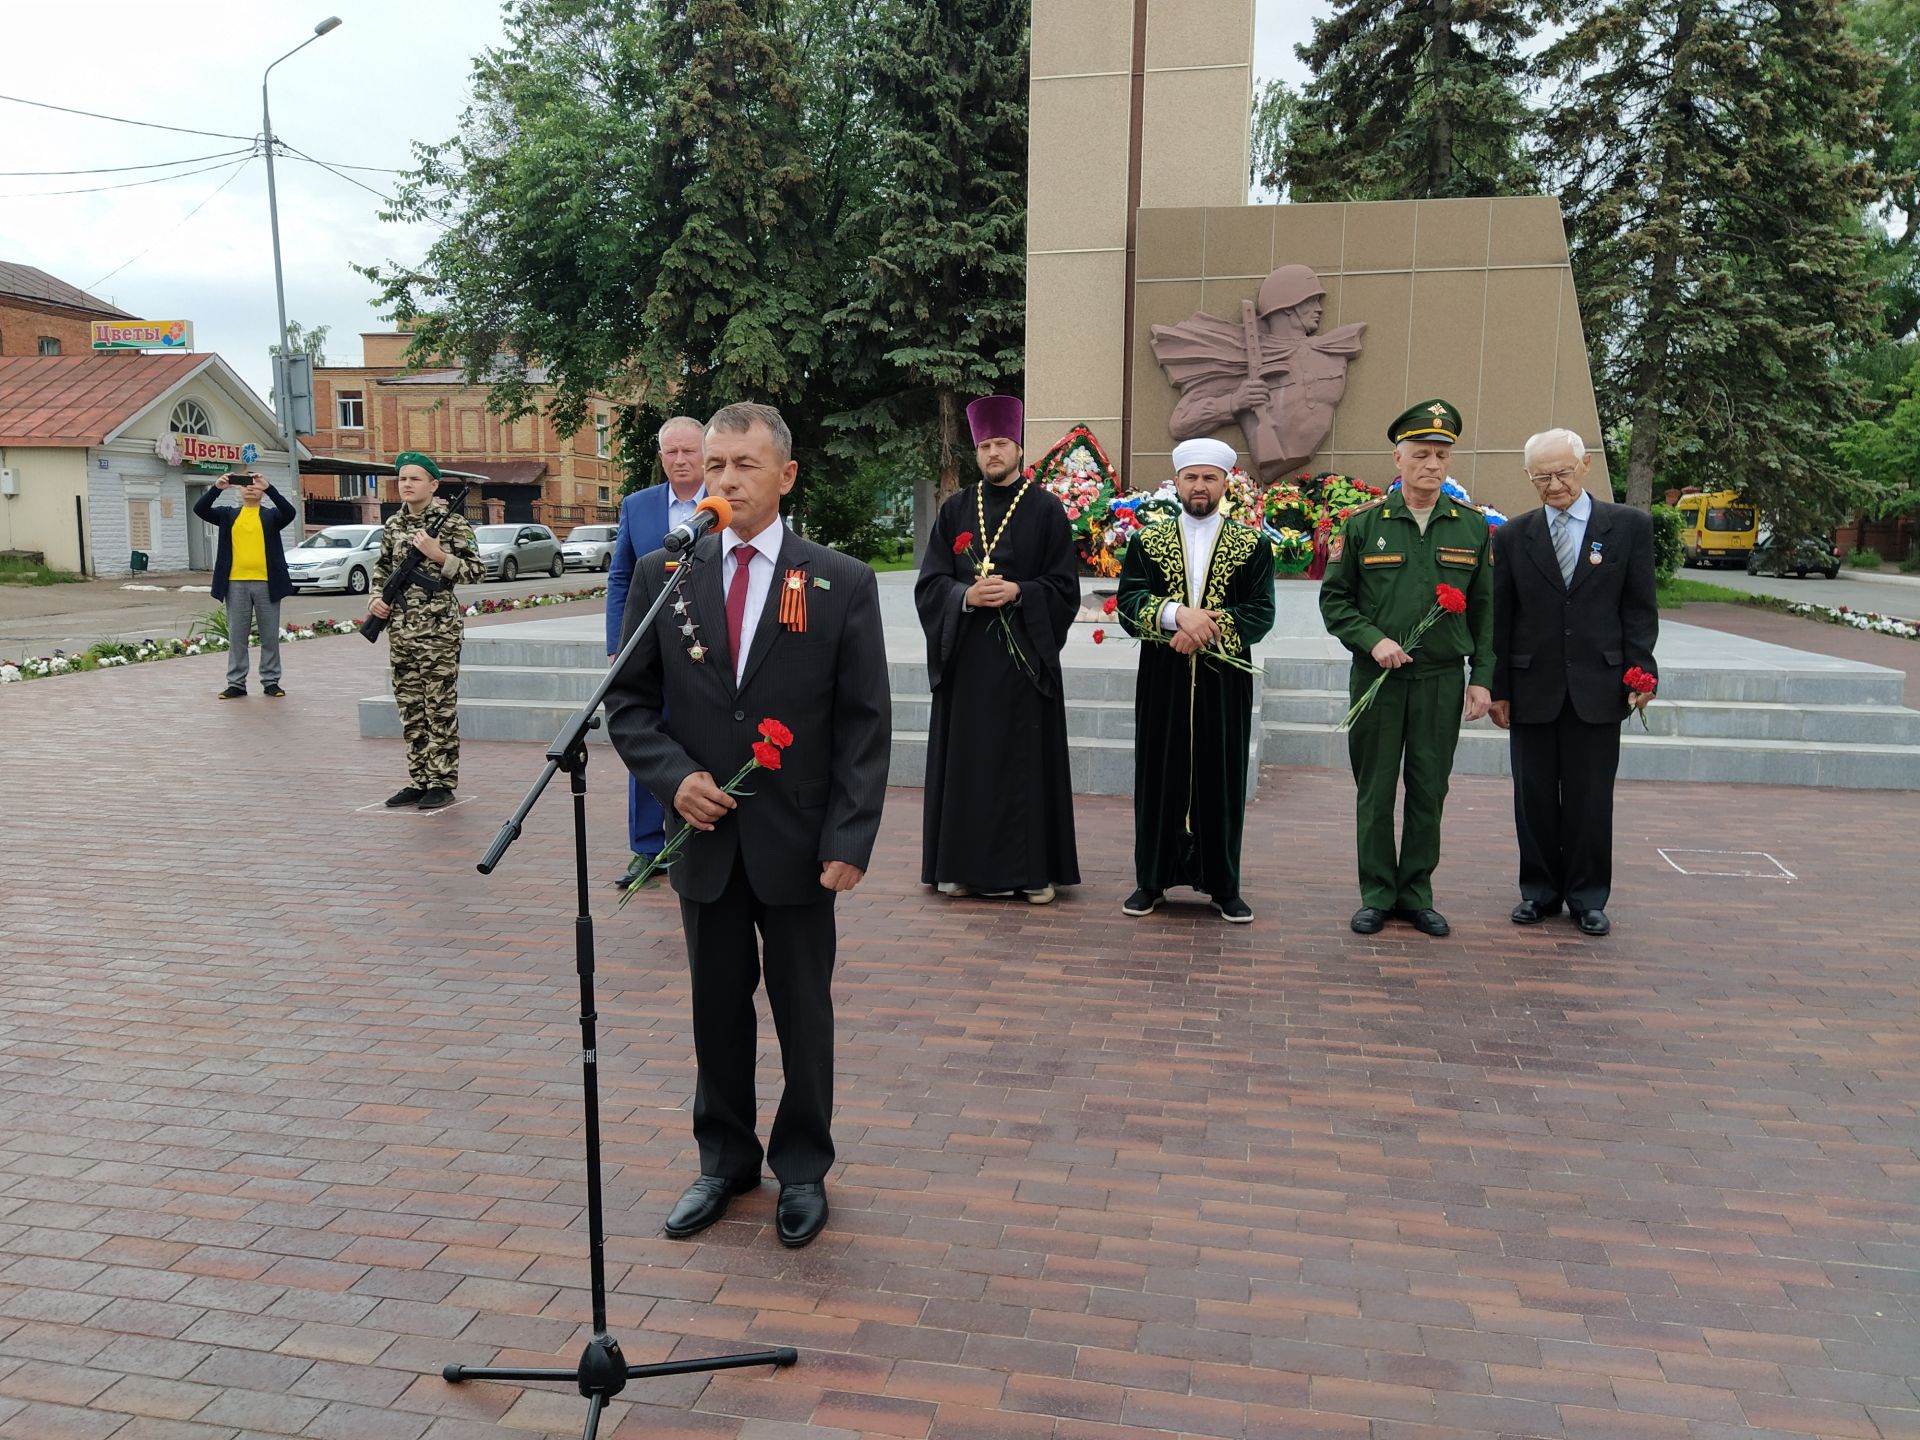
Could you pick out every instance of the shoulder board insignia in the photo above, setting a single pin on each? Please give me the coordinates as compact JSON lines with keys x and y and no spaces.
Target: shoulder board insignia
{"x":1371,"y":504}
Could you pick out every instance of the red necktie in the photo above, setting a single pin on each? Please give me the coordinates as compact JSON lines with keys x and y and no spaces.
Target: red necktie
{"x":737,"y":599}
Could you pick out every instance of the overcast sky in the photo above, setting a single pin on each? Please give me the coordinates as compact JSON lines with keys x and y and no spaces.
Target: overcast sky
{"x":392,"y":72}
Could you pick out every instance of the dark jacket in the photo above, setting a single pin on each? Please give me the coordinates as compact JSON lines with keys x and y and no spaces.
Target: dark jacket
{"x":271,"y":524}
{"x":670,"y":715}
{"x":1553,"y":640}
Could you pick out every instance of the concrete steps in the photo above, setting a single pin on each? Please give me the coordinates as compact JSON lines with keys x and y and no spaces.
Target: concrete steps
{"x":1730,"y":710}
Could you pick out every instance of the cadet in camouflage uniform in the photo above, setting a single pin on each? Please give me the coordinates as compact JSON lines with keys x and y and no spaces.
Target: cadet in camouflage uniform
{"x":423,"y":637}
{"x":1381,"y":572}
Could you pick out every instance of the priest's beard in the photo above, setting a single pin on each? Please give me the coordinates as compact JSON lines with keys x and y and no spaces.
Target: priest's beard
{"x":1200,"y":506}
{"x":1003,"y":476}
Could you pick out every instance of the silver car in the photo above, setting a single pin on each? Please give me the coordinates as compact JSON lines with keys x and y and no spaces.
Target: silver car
{"x":340,"y":557}
{"x":590,"y":547}
{"x":514,"y":550}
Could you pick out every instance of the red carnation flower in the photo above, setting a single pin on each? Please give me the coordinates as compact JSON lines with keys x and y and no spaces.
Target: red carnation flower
{"x":1099,"y":636}
{"x":776,"y":732}
{"x":765,"y":755}
{"x":1113,"y":604}
{"x":1453,"y":601}
{"x":962,"y":541}
{"x":1640,"y":682}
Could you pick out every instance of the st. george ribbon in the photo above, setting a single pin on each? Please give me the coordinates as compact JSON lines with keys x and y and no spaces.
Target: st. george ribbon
{"x":712,"y":513}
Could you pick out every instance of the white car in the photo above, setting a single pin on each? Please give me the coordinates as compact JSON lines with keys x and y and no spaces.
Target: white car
{"x":340,"y":557}
{"x":590,"y":547}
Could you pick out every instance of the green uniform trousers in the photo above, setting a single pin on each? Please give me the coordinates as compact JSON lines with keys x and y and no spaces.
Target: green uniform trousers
{"x":1412,"y":725}
{"x":426,"y":688}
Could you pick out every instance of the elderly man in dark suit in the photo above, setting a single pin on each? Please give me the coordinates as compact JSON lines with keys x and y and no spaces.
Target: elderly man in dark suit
{"x":1573,"y":611}
{"x":767,"y":625}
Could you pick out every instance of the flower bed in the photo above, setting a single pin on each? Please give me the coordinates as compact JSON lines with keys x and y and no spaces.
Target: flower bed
{"x":205,"y":635}
{"x":1871,"y":620}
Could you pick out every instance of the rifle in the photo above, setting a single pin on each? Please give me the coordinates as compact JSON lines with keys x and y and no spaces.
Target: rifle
{"x":406,"y":573}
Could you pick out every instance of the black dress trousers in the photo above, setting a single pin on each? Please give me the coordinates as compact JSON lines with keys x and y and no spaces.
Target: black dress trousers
{"x":729,"y":942}
{"x":1563,"y":774}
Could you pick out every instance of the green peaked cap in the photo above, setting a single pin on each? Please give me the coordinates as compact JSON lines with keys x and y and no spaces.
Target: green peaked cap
{"x":1428,"y":420}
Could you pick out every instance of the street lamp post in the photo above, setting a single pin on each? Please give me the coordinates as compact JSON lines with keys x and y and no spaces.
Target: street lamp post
{"x":283,"y":402}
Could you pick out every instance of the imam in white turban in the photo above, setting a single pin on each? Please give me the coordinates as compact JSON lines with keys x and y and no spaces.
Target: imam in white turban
{"x":1203,"y":452}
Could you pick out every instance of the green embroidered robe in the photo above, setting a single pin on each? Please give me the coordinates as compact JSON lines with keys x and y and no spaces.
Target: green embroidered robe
{"x":1193,"y":715}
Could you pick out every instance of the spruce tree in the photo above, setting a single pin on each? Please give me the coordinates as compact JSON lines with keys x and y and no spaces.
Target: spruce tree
{"x":736,"y":304}
{"x":1412,"y":101}
{"x":1706,"y":158}
{"x":939,"y":314}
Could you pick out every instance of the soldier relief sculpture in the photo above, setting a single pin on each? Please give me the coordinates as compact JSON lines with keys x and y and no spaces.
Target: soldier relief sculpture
{"x":1272,"y":372}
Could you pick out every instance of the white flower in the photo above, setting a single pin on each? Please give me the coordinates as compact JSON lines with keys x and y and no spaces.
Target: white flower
{"x":9,"y":674}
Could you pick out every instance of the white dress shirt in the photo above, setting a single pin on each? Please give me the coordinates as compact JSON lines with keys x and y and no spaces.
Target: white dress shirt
{"x":680,"y":511}
{"x":1578,"y":513}
{"x":1197,"y":537}
{"x":766,"y":554}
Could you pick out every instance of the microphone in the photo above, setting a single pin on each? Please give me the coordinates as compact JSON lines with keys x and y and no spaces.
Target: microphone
{"x":712,"y":513}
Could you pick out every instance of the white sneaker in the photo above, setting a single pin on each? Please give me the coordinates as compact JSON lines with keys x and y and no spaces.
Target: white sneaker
{"x":1042,"y":896}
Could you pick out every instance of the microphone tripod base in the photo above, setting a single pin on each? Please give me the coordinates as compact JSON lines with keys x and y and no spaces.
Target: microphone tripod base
{"x":603,"y":1371}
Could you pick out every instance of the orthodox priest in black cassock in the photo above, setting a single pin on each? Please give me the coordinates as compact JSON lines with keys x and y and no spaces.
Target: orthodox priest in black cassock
{"x":999,"y":586}
{"x":1197,"y":591}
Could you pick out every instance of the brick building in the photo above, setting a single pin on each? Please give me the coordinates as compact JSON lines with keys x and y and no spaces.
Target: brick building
{"x":40,"y":315}
{"x":376,"y":409}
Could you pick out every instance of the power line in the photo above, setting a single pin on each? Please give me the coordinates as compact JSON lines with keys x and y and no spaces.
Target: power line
{"x":117,"y":169}
{"x":302,"y":155}
{"x":237,"y":169}
{"x":122,"y":120}
{"x":126,"y":185}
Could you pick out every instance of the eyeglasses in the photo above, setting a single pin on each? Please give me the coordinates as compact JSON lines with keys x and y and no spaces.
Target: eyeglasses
{"x":1557,"y":477}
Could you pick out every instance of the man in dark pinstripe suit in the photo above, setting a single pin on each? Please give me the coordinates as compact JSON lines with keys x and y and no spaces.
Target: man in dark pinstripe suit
{"x":766,"y":625}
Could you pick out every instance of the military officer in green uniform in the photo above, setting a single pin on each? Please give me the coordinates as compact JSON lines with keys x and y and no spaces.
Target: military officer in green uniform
{"x":1382,"y":571}
{"x":423,"y":638}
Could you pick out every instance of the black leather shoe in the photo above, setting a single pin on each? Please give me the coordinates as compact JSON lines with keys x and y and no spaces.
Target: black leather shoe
{"x":232,"y":692}
{"x":406,"y":795}
{"x":1234,"y":910}
{"x":436,"y":798}
{"x":706,"y":1201}
{"x":634,"y":867}
{"x":1427,"y":922}
{"x":1532,"y":912}
{"x":1142,"y":902}
{"x":1368,"y":920}
{"x":1592,"y":922}
{"x":801,"y":1213}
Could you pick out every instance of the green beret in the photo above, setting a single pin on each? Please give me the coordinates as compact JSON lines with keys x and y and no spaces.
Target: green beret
{"x":1428,"y":420}
{"x":414,"y":457}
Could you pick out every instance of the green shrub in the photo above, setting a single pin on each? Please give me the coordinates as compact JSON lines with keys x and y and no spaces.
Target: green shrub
{"x":1864,"y":560}
{"x":1911,"y":565}
{"x":1668,"y":550}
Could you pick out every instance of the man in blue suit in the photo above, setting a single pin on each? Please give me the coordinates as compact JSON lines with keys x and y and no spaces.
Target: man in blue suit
{"x":645,"y":518}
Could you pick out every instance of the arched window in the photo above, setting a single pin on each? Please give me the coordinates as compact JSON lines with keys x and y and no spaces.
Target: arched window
{"x":190,"y":417}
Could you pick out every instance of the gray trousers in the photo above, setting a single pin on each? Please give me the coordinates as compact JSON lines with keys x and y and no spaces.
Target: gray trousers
{"x":247,"y":601}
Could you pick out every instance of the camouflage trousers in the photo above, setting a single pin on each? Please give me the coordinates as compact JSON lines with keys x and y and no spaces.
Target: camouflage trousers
{"x":426,"y":682}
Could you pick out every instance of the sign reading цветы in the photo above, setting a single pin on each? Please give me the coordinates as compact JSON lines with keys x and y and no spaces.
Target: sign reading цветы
{"x":143,"y":334}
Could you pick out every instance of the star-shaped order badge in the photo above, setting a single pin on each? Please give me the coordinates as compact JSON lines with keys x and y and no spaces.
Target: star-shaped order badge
{"x":689,"y":629}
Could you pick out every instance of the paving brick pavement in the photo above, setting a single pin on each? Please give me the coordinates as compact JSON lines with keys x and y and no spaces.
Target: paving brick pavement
{"x":289,"y":1118}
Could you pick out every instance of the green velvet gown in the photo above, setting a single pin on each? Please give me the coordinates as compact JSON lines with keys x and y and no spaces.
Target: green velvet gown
{"x":1193,"y":716}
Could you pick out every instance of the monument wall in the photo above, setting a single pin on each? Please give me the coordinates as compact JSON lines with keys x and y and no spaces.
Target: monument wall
{"x":1131,"y":103}
{"x":1468,"y":299}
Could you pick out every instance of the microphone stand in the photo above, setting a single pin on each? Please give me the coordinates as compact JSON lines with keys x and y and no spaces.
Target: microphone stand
{"x":602,"y":1371}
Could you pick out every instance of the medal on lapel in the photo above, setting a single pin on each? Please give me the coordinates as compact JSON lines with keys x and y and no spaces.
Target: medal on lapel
{"x":1593,"y":553}
{"x":793,"y":601}
{"x":689,"y":629}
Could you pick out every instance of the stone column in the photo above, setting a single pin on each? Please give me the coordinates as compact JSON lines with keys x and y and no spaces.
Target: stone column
{"x":1132,"y":103}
